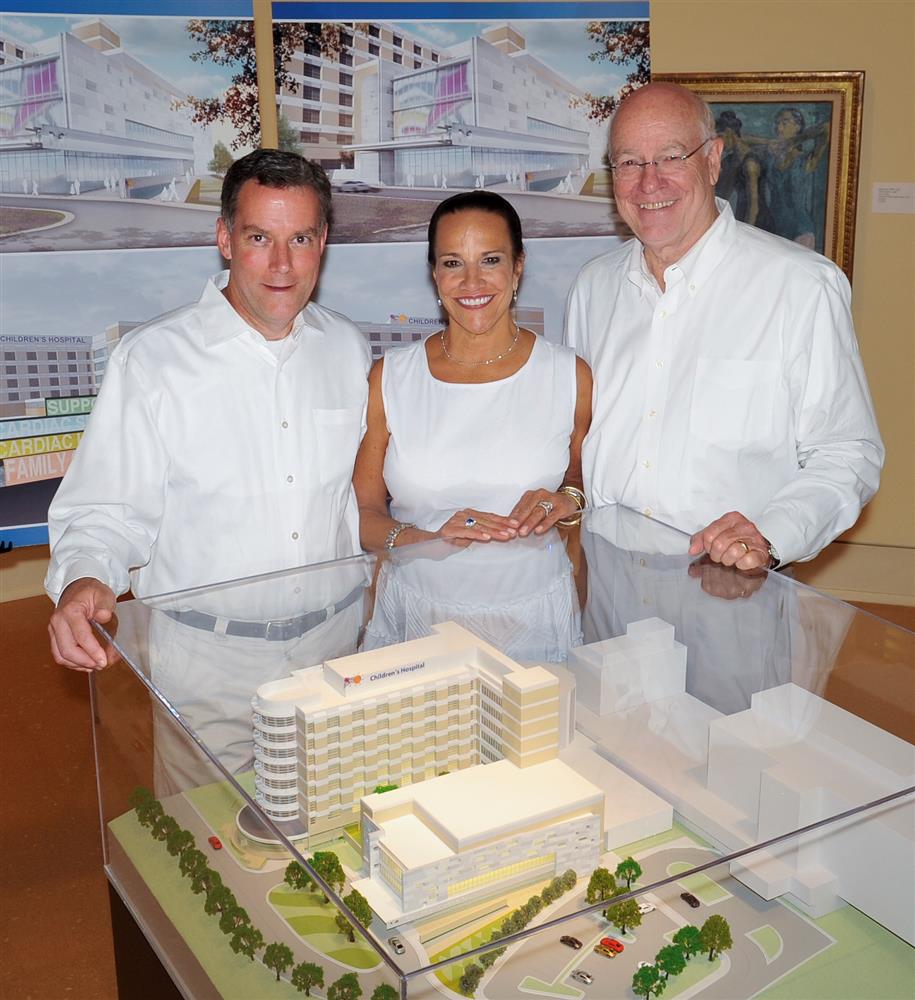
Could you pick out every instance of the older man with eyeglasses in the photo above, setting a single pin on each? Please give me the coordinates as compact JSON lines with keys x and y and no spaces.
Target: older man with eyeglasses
{"x":729,"y":396}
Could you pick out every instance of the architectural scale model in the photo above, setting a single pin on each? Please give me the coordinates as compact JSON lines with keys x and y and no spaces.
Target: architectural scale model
{"x":789,"y":760}
{"x":459,"y":764}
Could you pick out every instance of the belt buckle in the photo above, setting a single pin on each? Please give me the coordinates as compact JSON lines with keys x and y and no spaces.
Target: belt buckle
{"x":280,"y":633}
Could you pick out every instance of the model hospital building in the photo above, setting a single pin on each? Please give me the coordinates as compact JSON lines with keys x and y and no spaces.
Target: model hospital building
{"x":469,"y":740}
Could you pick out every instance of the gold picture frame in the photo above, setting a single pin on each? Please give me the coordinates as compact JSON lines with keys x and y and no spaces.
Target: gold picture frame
{"x":792,"y":150}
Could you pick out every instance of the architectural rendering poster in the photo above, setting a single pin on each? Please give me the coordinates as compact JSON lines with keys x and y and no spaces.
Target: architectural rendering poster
{"x":401,"y":114}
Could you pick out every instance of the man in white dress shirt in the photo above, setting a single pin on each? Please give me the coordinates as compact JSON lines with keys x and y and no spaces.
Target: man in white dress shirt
{"x":729,"y":396}
{"x":223,"y":439}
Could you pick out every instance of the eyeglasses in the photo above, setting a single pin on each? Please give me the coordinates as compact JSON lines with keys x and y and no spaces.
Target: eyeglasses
{"x":666,"y":166}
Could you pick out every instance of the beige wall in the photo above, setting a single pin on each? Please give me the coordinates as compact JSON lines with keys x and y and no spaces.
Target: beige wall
{"x":878,"y":561}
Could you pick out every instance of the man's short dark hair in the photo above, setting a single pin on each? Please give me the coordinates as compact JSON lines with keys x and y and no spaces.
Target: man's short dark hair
{"x":275,"y":168}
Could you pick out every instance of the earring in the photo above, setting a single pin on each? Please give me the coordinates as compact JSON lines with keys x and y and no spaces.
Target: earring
{"x":439,"y":301}
{"x":515,"y":297}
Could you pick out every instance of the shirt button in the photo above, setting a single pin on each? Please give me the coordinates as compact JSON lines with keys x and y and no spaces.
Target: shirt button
{"x":692,"y":288}
{"x":663,"y":314}
{"x":647,"y":512}
{"x":295,"y":536}
{"x":290,"y":479}
{"x":659,"y":363}
{"x":652,"y":414}
{"x":284,"y":424}
{"x":646,"y":464}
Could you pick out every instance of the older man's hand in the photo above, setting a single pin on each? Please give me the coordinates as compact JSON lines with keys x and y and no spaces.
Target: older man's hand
{"x":732,"y":540}
{"x":73,"y":641}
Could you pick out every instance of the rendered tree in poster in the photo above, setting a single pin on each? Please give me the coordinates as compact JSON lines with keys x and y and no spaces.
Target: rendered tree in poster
{"x":231,"y":43}
{"x":345,"y":988}
{"x":716,"y":935}
{"x":647,"y":982}
{"x":305,"y":975}
{"x":222,"y":158}
{"x":625,"y":43}
{"x":628,"y":869}
{"x":278,"y":956}
{"x":689,"y":938}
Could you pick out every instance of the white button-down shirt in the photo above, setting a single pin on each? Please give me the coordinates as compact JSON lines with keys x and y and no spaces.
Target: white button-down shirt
{"x":739,"y":387}
{"x":209,"y":456}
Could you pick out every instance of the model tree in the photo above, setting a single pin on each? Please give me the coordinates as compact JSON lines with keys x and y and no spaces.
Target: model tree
{"x":470,"y":979}
{"x":164,"y":825}
{"x":178,"y":840}
{"x":601,"y":886}
{"x":305,"y":975}
{"x":278,"y":956}
{"x":623,"y":915}
{"x":568,"y":878}
{"x":628,"y":869}
{"x":344,"y":925}
{"x":384,"y":991}
{"x":716,"y":935}
{"x":219,"y":899}
{"x":670,"y":960}
{"x":232,"y":918}
{"x":345,"y":988}
{"x":297,"y":877}
{"x":246,"y":941}
{"x":191,"y":860}
{"x":359,"y":907}
{"x":647,"y":982}
{"x":204,"y":879}
{"x":689,"y":938}
{"x":146,"y":805}
{"x":328,"y":866}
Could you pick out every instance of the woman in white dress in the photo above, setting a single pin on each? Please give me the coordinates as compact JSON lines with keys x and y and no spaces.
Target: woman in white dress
{"x":475,"y":434}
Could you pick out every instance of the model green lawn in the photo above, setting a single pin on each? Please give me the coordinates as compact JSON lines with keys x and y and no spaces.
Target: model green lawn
{"x":768,"y":940}
{"x":708,"y":891}
{"x":314,"y":921}
{"x":450,"y":975}
{"x":235,"y":977}
{"x":866,"y":962}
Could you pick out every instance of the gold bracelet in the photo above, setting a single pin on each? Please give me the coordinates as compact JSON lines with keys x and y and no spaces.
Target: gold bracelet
{"x":580,"y":502}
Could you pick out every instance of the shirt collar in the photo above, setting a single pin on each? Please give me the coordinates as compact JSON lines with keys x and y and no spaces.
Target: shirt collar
{"x":698,"y":263}
{"x":220,"y":320}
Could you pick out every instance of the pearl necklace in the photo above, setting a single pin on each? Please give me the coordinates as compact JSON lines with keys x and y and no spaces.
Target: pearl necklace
{"x":490,"y":361}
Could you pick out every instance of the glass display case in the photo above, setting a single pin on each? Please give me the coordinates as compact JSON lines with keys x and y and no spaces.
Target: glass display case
{"x":577,"y":765}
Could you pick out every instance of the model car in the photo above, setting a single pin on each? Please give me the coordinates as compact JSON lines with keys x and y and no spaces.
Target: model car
{"x":215,"y":843}
{"x":602,"y":949}
{"x":645,"y":908}
{"x":688,"y":897}
{"x":355,"y":186}
{"x":572,"y":942}
{"x":612,"y":944}
{"x":583,"y":977}
{"x":397,"y":945}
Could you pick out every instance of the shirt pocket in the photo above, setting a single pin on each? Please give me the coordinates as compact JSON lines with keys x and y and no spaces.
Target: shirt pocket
{"x":734,"y":402}
{"x":338,"y":434}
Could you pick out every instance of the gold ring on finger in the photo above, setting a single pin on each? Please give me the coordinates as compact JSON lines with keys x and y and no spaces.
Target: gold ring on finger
{"x":546,"y":505}
{"x":746,"y":548}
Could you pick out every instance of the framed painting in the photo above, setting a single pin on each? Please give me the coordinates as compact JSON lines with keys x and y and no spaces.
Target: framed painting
{"x":791,"y":152}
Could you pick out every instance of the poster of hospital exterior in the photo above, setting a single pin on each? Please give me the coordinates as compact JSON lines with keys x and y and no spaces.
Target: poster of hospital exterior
{"x":117,"y":129}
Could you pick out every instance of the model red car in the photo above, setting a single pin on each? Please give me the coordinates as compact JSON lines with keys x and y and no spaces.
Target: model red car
{"x":612,"y":944}
{"x":215,"y":843}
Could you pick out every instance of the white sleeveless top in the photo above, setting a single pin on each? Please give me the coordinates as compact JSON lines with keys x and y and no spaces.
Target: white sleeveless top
{"x":479,"y":445}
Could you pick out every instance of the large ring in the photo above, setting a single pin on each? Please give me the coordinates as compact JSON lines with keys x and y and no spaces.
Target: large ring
{"x":546,"y":505}
{"x":469,"y":522}
{"x":746,"y":548}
